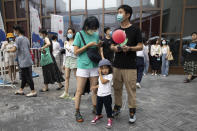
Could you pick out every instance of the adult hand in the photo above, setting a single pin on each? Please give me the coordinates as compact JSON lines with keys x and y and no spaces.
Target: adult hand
{"x":125,"y":48}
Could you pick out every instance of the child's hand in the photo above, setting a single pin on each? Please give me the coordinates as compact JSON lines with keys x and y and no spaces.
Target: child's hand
{"x":99,"y":71}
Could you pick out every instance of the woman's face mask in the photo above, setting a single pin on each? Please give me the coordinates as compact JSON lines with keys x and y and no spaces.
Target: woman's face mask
{"x":16,"y":35}
{"x":120,"y":17}
{"x":41,"y":36}
{"x":163,"y":42}
{"x":70,"y":36}
{"x":90,"y":32}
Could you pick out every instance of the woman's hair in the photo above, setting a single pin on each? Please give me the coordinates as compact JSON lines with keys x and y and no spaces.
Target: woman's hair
{"x":91,"y":23}
{"x":43,"y":31}
{"x":54,"y":37}
{"x":19,"y":29}
{"x":73,"y":30}
{"x":110,"y":69}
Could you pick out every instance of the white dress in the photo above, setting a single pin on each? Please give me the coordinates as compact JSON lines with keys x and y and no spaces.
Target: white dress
{"x":9,"y":58}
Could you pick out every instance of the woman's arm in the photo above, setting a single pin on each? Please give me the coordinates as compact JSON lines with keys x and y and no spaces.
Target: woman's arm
{"x":193,"y":49}
{"x":47,"y":43}
{"x":78,"y":50}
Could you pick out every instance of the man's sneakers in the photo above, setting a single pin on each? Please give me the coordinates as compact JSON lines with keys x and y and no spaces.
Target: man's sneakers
{"x":78,"y":116}
{"x":96,"y":118}
{"x":116,"y":110}
{"x":138,"y":85}
{"x":132,"y":118}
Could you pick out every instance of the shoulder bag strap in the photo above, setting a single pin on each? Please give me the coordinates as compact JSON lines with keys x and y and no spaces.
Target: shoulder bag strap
{"x":82,"y":38}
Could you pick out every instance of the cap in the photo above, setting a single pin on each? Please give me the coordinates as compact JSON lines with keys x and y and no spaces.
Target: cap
{"x":104,"y":62}
{"x":10,"y":35}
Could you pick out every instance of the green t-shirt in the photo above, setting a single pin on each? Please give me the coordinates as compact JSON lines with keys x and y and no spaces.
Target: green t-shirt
{"x":83,"y":61}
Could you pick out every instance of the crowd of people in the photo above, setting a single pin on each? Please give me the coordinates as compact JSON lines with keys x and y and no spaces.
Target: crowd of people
{"x":112,"y":67}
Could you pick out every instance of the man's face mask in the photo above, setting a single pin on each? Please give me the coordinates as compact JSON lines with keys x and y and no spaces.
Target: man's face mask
{"x":120,"y":17}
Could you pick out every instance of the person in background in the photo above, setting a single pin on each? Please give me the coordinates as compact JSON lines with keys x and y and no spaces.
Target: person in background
{"x":165,"y":50}
{"x":140,"y":65}
{"x":22,"y":46}
{"x":124,"y":64}
{"x":106,"y":51}
{"x":51,"y":72}
{"x":70,"y":60}
{"x":190,"y":65}
{"x":156,"y":57}
{"x":10,"y":57}
{"x":56,"y":51}
{"x":104,"y":92}
{"x":86,"y":68}
{"x":146,"y":57}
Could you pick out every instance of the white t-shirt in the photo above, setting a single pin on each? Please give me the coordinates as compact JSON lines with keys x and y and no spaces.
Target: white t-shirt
{"x":140,"y":53}
{"x":56,"y":48}
{"x":105,"y":89}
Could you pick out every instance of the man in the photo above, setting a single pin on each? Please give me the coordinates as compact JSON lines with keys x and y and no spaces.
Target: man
{"x":125,"y":63}
{"x":22,"y":46}
{"x":106,"y":52}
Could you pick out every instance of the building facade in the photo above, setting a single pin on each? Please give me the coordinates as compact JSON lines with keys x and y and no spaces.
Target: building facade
{"x":174,"y":20}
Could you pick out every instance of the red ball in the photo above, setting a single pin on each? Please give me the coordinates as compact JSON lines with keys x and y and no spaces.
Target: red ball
{"x":119,"y":36}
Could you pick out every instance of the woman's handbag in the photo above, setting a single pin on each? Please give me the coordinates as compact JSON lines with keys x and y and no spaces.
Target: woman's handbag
{"x":170,"y":57}
{"x":93,"y":53}
{"x":46,"y":58}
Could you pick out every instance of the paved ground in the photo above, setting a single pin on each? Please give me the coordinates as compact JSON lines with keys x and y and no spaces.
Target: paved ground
{"x":164,"y":104}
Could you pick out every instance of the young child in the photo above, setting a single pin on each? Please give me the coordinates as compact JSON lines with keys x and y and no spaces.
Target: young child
{"x":104,"y":92}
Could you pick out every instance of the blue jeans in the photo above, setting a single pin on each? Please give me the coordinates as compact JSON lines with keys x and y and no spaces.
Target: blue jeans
{"x":165,"y":65}
{"x":146,"y":65}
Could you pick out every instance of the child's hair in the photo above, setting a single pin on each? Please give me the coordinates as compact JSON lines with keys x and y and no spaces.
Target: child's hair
{"x":110,"y":69}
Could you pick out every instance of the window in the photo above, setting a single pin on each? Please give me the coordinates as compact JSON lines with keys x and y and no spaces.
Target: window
{"x":172,"y":15}
{"x":151,"y":23}
{"x":47,"y":7}
{"x":21,"y":8}
{"x":9,"y":9}
{"x":78,"y":5}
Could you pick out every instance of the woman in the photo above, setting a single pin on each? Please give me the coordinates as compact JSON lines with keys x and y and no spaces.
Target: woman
{"x":85,"y":67}
{"x":10,"y":57}
{"x":56,"y":51}
{"x":156,"y":60}
{"x":165,"y":50}
{"x":70,"y":61}
{"x":190,"y":66}
{"x":51,"y":72}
